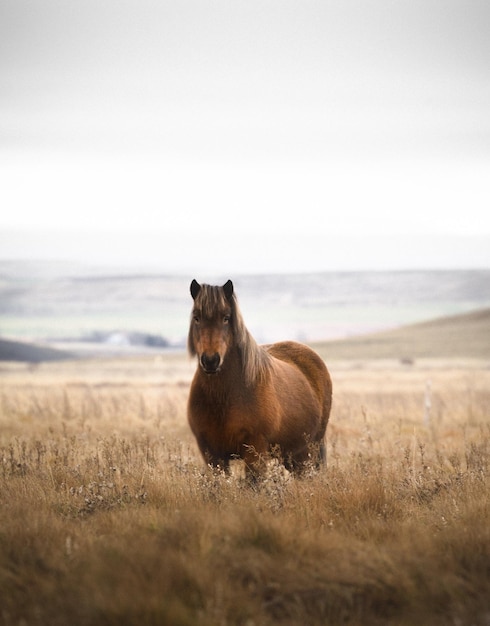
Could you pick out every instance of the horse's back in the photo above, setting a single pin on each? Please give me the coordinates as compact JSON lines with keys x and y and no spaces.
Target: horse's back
{"x":309,"y":363}
{"x":314,"y":372}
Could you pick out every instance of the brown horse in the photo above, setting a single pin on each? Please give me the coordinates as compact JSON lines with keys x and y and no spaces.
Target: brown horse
{"x":247,"y":400}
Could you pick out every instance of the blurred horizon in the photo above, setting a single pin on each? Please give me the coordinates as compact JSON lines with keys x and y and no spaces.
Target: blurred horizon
{"x":60,"y":302}
{"x":141,"y":252}
{"x":246,"y":137}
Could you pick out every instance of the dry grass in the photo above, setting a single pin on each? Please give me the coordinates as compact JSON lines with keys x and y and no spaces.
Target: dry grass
{"x":466,"y":335}
{"x":107,"y":515}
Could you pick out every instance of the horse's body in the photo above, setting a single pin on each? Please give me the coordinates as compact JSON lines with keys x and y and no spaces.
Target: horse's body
{"x":245,"y":399}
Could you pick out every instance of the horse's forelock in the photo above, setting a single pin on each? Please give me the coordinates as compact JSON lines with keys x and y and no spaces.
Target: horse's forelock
{"x":255,"y":360}
{"x":211,"y":299}
{"x":207,"y":301}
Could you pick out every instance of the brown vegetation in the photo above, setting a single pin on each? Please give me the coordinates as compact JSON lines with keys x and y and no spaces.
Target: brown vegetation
{"x":107,"y":515}
{"x":466,"y":335}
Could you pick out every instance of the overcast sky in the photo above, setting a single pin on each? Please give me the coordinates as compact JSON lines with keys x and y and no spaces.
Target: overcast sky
{"x":241,"y":136}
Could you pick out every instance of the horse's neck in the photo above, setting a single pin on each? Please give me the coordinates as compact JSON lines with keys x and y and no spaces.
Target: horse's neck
{"x":233,"y":369}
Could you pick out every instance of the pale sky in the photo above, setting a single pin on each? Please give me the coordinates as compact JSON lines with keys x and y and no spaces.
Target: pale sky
{"x":219,"y":137}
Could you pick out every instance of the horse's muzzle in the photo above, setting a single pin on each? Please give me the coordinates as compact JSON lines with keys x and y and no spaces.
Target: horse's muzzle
{"x":210,"y":364}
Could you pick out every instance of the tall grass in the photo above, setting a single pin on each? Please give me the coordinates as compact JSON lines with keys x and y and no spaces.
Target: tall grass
{"x":107,"y":515}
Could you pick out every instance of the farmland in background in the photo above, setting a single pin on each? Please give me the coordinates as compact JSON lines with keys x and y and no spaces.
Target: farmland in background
{"x":65,"y":304}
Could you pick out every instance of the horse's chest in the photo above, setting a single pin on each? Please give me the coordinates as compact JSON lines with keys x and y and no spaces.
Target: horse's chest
{"x":223,"y":427}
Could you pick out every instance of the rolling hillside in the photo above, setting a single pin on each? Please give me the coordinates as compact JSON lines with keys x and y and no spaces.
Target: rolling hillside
{"x":30,"y":352}
{"x":466,"y":335}
{"x":457,"y":336}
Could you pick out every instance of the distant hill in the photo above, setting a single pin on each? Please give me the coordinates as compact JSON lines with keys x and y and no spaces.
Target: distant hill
{"x":466,"y":335}
{"x":30,"y":352}
{"x":60,"y":302}
{"x":457,"y":336}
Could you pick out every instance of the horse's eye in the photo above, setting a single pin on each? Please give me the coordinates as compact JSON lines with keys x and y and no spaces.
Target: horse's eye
{"x":197,"y":319}
{"x":226,"y":319}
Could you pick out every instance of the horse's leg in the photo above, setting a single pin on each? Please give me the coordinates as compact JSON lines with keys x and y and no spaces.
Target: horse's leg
{"x":255,"y":458}
{"x":314,"y":454}
{"x":322,"y":456}
{"x":219,"y":465}
{"x":215,"y":462}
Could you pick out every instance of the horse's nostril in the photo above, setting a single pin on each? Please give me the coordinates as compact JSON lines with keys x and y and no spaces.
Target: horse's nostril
{"x":210,"y":363}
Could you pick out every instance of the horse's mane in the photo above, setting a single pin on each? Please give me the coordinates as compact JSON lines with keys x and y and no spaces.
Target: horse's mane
{"x":254,"y":359}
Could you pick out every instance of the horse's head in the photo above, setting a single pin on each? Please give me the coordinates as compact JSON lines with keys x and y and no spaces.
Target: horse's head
{"x":211,"y":329}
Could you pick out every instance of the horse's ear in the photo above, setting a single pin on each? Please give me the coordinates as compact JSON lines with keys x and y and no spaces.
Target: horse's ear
{"x":228,"y":289}
{"x":195,"y":289}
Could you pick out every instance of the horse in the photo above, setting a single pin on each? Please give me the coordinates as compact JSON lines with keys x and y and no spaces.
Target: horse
{"x":249,"y":401}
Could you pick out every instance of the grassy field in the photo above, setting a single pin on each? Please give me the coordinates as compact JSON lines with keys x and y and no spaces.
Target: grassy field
{"x":108,"y":516}
{"x":466,"y":335}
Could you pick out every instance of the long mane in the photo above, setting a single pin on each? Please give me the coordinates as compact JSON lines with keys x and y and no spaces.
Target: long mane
{"x":255,"y":361}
